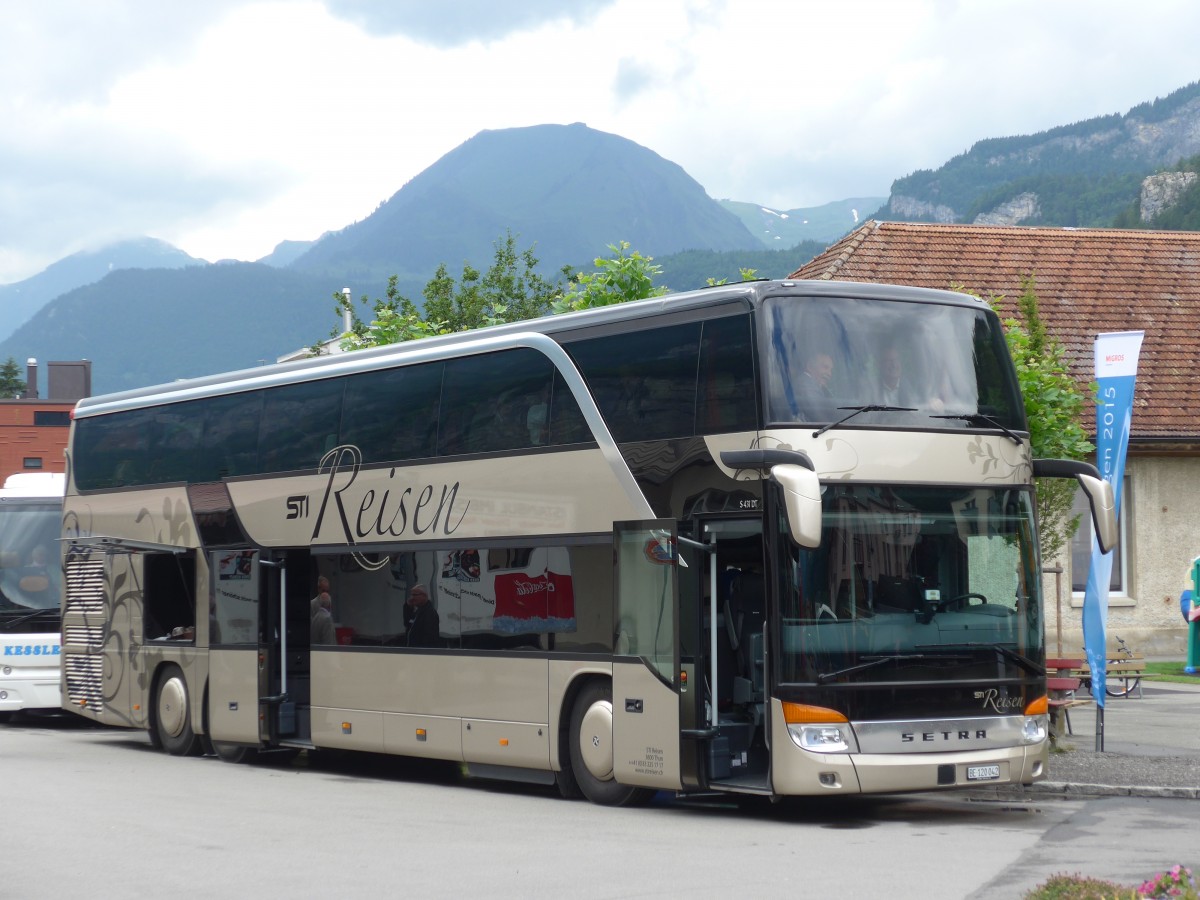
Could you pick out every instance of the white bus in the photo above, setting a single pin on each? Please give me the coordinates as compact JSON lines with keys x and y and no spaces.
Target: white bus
{"x":30,"y":592}
{"x":645,"y":552}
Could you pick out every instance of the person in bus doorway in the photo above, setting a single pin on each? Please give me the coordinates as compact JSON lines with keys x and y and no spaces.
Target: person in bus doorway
{"x":321,"y":611}
{"x":816,"y":400}
{"x":422,"y":625}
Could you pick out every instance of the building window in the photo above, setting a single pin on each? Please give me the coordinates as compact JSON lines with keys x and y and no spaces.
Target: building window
{"x":1081,"y":547}
{"x":44,"y":417}
{"x":33,"y":462}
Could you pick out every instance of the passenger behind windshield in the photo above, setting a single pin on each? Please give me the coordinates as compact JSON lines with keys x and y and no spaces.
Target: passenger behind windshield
{"x":812,"y":388}
{"x":894,"y":386}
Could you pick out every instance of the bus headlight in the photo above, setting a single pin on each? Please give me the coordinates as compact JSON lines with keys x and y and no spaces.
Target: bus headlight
{"x":819,"y":729}
{"x":823,"y":738}
{"x":1035,"y":730}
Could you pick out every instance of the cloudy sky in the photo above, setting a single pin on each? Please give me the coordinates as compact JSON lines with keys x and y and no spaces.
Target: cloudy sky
{"x":227,"y":126}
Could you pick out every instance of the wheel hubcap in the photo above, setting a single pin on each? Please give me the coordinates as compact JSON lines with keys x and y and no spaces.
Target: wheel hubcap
{"x":172,"y":706}
{"x":595,"y":740}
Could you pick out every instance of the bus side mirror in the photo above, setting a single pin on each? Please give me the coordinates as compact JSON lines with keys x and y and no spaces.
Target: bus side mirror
{"x":1099,"y":494}
{"x":801,"y":502}
{"x":1104,"y":510}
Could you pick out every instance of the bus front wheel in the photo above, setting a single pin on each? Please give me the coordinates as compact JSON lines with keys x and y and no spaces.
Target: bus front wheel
{"x":234,"y":753}
{"x":173,"y":714}
{"x":591,"y":748}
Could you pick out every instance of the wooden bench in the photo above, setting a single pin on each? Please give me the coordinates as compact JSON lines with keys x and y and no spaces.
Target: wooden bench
{"x":1061,"y":692}
{"x":1117,"y":667}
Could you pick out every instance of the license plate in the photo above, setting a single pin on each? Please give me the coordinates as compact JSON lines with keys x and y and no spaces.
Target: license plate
{"x":983,"y":773}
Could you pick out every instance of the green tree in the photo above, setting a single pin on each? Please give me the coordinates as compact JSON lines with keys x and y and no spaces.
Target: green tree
{"x":1055,"y":406}
{"x":626,"y":276}
{"x":11,"y":382}
{"x":743,"y":275}
{"x":509,"y":291}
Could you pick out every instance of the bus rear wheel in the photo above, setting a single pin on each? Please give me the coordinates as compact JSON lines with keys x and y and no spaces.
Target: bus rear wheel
{"x":591,"y":749}
{"x":173,"y":714}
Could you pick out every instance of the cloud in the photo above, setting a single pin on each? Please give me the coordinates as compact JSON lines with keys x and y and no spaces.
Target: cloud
{"x":73,"y":52}
{"x":230,"y":125}
{"x":633,"y":77}
{"x":451,"y":23}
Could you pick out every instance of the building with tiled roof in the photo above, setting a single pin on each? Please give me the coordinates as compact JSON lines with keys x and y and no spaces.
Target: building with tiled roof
{"x":1087,"y":281}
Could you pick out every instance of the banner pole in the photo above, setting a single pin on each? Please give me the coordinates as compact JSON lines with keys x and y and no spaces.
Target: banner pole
{"x":1116,"y":358}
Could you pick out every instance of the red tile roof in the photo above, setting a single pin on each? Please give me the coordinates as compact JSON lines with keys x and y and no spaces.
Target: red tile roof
{"x":1087,"y":281}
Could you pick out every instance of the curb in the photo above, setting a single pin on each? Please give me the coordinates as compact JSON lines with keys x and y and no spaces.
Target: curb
{"x":1073,"y":789}
{"x":1070,"y":790}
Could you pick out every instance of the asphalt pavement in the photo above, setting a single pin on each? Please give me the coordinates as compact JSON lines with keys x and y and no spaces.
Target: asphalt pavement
{"x":1151,"y":747}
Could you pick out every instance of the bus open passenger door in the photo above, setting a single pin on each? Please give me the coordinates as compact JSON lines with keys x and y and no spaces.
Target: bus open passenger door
{"x":646,"y":662}
{"x":236,"y":659}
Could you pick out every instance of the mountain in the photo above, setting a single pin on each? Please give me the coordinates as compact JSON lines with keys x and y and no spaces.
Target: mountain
{"x":1084,"y":174}
{"x":21,"y":299}
{"x":692,"y":269}
{"x":286,"y":253}
{"x":779,"y":229}
{"x":570,"y":189}
{"x":151,"y":326}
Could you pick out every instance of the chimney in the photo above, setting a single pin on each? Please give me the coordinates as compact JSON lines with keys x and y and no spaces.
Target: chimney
{"x":31,"y":389}
{"x":347,"y":313}
{"x":68,"y":380}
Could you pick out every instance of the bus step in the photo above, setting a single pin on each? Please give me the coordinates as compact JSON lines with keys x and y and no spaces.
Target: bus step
{"x":298,"y":745}
{"x":746,"y":784}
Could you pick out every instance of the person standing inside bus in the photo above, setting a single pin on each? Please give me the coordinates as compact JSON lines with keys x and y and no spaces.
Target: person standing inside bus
{"x":323,"y":631}
{"x":422,"y":625}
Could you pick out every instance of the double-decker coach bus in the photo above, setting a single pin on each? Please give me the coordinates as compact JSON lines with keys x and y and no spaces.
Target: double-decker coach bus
{"x":30,"y":592}
{"x":690,"y":543}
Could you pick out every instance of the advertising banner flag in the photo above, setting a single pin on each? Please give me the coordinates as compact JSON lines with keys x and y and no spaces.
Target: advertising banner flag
{"x":1116,"y":371}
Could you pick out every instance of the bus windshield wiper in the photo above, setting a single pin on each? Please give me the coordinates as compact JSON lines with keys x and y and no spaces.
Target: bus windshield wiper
{"x":978,"y":419}
{"x":10,"y":625}
{"x":870,"y":664}
{"x":855,"y":410}
{"x":1019,"y":658}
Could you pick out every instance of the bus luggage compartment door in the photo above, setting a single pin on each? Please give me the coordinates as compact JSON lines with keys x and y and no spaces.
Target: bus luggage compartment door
{"x":646,"y":662}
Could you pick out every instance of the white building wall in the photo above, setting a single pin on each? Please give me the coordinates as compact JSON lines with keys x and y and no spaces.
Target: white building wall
{"x":1163,"y":537}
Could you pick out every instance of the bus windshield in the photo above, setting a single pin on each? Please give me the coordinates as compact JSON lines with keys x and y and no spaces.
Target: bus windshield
{"x":930,"y":365}
{"x":30,"y":575}
{"x":910,"y":580}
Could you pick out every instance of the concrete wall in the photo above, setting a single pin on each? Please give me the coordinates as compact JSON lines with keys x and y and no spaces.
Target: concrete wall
{"x":1163,"y":537}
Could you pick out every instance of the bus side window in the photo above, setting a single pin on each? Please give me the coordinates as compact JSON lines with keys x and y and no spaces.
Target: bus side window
{"x":725,"y":396}
{"x":567,"y":425}
{"x":296,"y":419}
{"x":391,"y":415}
{"x":487,"y":399}
{"x":644,"y":381}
